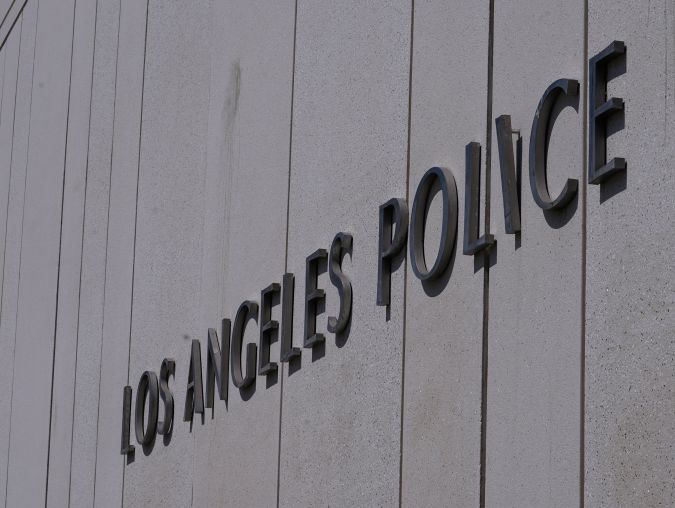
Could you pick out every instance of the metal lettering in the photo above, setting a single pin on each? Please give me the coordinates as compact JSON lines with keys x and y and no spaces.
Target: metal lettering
{"x":314,"y":263}
{"x":393,"y":212}
{"x":342,"y":244}
{"x":539,"y":147}
{"x":269,"y":328}
{"x":168,"y":369}
{"x":247,"y":310}
{"x":148,"y":388}
{"x":473,"y":244}
{"x":126,"y":448}
{"x":418,"y":221}
{"x":194,"y":394}
{"x":288,"y":352}
{"x":599,"y":111}
{"x":217,"y":361}
{"x":507,"y":166}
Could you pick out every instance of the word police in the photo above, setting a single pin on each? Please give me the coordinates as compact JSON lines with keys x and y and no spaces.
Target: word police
{"x":224,"y":353}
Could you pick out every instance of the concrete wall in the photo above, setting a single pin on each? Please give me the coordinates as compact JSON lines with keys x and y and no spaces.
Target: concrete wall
{"x":161,"y":162}
{"x":629,"y":302}
{"x":441,"y":425}
{"x":535,"y":289}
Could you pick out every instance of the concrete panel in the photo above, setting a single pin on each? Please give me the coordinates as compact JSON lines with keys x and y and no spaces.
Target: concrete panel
{"x":3,"y":58}
{"x":443,"y":336}
{"x":340,"y":428}
{"x":92,"y":278}
{"x":10,"y":15}
{"x":4,"y":8}
{"x":630,"y":372}
{"x":12,"y":259}
{"x":9,"y":56}
{"x":70,"y":261}
{"x":120,"y":250}
{"x":535,"y":283}
{"x":166,"y":288}
{"x":246,"y":185}
{"x":40,"y":243}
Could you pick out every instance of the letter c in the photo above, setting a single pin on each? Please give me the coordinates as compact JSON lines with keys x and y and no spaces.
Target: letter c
{"x":539,"y":147}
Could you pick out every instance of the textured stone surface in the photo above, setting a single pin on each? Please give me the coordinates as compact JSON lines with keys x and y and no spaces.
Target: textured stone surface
{"x":245,"y":237}
{"x":167,"y":261}
{"x":40,"y":248}
{"x":119,"y":261}
{"x":214,"y":147}
{"x":534,"y":393}
{"x":70,"y":260}
{"x":13,"y":232}
{"x":4,"y":6}
{"x":94,"y":247}
{"x":9,"y":255}
{"x":9,"y":61}
{"x":340,"y":427}
{"x":9,"y":247}
{"x":630,"y":370}
{"x":441,"y":419}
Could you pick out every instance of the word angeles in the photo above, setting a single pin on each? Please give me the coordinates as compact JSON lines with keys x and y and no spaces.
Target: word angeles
{"x":397,"y":226}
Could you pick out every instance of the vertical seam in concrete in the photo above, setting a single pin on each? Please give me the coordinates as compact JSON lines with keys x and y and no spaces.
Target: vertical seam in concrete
{"x":288,"y":207}
{"x":84,"y":221}
{"x":205,"y":181}
{"x":584,"y":195}
{"x":138,"y":178}
{"x":7,"y":12}
{"x":9,"y":9}
{"x":11,"y":160}
{"x":405,"y":264}
{"x":23,"y":207}
{"x":2,"y":79}
{"x":16,"y":19}
{"x":4,"y":259}
{"x":9,"y":182}
{"x":107,"y":237}
{"x":58,"y":265}
{"x":486,"y":267}
{"x":290,"y":139}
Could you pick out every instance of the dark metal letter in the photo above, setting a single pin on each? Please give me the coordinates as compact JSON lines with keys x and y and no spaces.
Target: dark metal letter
{"x":473,"y":244}
{"x":341,"y":243}
{"x":194,"y":394}
{"x":419,"y":218}
{"x":247,"y":310}
{"x":313,"y":296}
{"x":507,"y":165}
{"x":539,"y":147}
{"x":217,"y":363}
{"x":394,"y":211}
{"x":287,"y":350}
{"x":168,"y":369}
{"x":148,"y":385}
{"x":268,"y":328}
{"x":599,"y":111}
{"x":126,"y":448}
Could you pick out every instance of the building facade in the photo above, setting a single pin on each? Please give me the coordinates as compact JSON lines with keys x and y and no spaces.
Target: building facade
{"x":378,"y":253}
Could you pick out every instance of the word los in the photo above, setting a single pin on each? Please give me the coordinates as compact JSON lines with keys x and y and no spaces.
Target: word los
{"x":396,"y":227}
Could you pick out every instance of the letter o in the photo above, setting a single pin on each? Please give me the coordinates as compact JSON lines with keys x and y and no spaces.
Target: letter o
{"x":419,"y":220}
{"x":147,"y":386}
